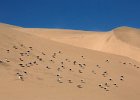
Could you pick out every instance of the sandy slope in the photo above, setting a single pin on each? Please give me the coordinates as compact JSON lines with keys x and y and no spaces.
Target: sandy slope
{"x":116,"y":41}
{"x":50,"y":70}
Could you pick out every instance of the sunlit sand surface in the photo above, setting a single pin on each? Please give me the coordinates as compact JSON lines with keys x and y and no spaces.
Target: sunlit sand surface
{"x":54,"y":64}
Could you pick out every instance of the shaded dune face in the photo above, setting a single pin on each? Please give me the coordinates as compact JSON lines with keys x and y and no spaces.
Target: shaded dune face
{"x":130,"y":36}
{"x":34,"y":68}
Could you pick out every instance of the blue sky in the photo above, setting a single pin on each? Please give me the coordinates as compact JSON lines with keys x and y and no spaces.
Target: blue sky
{"x":99,"y":15}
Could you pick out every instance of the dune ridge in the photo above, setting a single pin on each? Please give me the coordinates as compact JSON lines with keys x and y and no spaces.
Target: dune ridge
{"x":128,"y":35}
{"x":115,"y":42}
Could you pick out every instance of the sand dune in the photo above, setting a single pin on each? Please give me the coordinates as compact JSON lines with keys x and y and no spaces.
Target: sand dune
{"x":36,"y":68}
{"x":3,"y":25}
{"x":116,"y":41}
{"x":128,"y":35}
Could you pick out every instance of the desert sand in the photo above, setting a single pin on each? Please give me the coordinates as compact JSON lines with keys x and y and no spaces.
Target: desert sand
{"x":56,"y":64}
{"x":115,"y":41}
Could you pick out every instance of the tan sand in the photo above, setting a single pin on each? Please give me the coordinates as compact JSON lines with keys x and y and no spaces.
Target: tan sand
{"x":116,"y":41}
{"x":38,"y":68}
